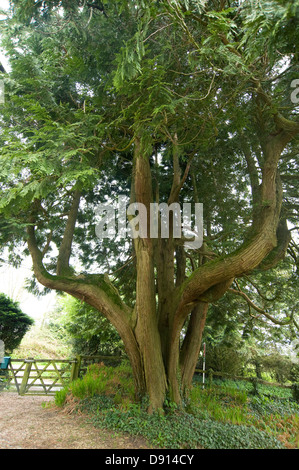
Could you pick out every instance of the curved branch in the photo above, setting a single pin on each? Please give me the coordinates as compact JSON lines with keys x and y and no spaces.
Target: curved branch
{"x":66,"y":244}
{"x":267,"y":234}
{"x":278,"y":253}
{"x":96,"y":290}
{"x":260,"y":310}
{"x":258,"y":290}
{"x":253,"y":176}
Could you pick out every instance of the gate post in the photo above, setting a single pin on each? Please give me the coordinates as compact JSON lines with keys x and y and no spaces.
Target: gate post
{"x":25,"y":376}
{"x":76,"y":368}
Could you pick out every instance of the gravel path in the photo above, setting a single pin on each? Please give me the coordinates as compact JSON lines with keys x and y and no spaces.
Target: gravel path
{"x":33,"y":422}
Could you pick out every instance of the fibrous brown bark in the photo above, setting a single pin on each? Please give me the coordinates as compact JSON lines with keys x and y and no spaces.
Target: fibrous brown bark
{"x":151,"y":330}
{"x":192,"y":344}
{"x":146,"y":329}
{"x":65,"y":249}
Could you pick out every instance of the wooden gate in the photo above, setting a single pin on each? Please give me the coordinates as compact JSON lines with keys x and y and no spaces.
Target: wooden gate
{"x":41,"y":376}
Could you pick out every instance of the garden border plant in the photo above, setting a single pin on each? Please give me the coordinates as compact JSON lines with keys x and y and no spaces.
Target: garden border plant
{"x":223,"y":416}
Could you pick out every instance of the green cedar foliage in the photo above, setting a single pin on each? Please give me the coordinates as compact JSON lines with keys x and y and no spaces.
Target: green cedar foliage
{"x":85,"y":81}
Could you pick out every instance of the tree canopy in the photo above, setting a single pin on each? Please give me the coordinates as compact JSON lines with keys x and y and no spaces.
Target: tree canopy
{"x":165,"y":101}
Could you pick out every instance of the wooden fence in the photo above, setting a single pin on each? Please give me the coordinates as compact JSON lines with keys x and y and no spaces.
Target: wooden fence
{"x":40,"y":376}
{"x":46,"y":376}
{"x":254,"y":380}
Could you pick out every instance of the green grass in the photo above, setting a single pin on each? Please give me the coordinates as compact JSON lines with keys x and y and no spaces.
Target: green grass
{"x":101,"y":380}
{"x":225,"y":415}
{"x":40,"y":342}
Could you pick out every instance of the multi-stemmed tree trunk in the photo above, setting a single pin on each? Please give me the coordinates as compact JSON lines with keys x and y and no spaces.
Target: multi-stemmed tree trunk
{"x":165,"y":297}
{"x":160,"y":93}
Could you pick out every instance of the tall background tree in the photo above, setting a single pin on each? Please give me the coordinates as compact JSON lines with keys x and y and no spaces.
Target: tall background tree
{"x":161,"y":101}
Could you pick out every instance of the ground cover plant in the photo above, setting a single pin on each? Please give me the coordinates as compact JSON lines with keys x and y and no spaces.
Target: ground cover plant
{"x":225,"y":414}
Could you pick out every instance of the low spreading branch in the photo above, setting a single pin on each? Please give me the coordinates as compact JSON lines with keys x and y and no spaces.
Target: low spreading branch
{"x":260,"y":310}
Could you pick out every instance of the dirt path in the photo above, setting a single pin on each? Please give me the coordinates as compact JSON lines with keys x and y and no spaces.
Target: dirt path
{"x":26,"y":424}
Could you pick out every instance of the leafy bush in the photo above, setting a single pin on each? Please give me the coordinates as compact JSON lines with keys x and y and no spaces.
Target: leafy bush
{"x":278,"y":366}
{"x":88,"y":331}
{"x":13,"y":323}
{"x":294,"y":374}
{"x":296,"y":392}
{"x":226,"y":359}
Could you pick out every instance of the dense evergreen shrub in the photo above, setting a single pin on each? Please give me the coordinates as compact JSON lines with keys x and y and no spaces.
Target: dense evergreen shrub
{"x":14,"y":324}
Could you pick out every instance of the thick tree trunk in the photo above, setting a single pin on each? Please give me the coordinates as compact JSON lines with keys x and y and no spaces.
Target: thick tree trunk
{"x":151,"y":331}
{"x":98,"y":292}
{"x":210,"y":281}
{"x":146,"y":330}
{"x":192,"y":344}
{"x":65,"y":249}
